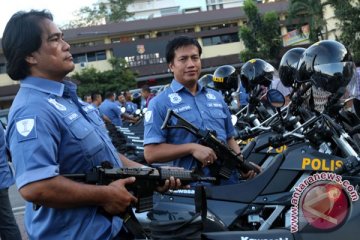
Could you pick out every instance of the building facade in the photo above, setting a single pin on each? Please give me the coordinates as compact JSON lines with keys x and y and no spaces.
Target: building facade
{"x":142,"y":43}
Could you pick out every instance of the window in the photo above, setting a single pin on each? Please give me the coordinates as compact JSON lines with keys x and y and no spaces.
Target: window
{"x":220,"y":39}
{"x":89,"y":57}
{"x":100,"y":55}
{"x":78,"y":58}
{"x":169,"y":11}
{"x":219,"y":26}
{"x":86,"y":44}
{"x":167,"y":33}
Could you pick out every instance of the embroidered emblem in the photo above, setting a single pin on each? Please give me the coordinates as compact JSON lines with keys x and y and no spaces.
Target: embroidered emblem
{"x":25,"y":126}
{"x":175,"y":98}
{"x":210,"y":96}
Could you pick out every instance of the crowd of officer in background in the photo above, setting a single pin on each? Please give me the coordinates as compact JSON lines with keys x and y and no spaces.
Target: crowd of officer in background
{"x":120,"y":107}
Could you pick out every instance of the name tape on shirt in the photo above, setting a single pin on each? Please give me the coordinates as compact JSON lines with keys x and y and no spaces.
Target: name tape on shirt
{"x":215,"y":105}
{"x":182,"y":109}
{"x":88,"y":107}
{"x":26,"y":128}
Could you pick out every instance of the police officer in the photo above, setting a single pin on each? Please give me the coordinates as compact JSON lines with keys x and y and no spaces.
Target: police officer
{"x":129,"y":105}
{"x":8,"y":226}
{"x":111,"y":109}
{"x":51,"y":133}
{"x":203,"y":107}
{"x":147,"y":95}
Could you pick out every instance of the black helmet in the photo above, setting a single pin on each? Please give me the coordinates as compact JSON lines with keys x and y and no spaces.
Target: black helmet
{"x":207,"y":81}
{"x":225,"y":78}
{"x":256,"y":72}
{"x":288,"y":65}
{"x":328,"y":65}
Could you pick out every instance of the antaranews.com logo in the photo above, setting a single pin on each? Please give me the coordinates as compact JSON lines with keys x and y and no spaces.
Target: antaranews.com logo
{"x":322,"y":201}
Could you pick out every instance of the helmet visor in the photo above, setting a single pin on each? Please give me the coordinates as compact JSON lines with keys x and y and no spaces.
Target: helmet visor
{"x":333,"y":76}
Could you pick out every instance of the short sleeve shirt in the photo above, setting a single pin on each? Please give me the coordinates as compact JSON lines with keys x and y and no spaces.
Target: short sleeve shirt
{"x":130,"y":107}
{"x":277,"y":84}
{"x":206,"y":110}
{"x":49,"y":135}
{"x":112,"y":111}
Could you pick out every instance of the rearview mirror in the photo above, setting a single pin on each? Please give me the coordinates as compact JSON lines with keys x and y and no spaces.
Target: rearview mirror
{"x":275,"y":98}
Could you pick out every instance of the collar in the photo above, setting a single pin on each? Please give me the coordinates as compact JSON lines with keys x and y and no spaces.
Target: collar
{"x":47,"y":86}
{"x":176,"y":86}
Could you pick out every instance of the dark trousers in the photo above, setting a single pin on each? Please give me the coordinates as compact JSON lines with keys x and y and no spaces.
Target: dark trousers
{"x":9,"y":229}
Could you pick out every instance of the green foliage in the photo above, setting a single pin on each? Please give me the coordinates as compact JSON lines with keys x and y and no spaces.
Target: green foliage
{"x":261,"y":35}
{"x":348,"y":13}
{"x":118,"y":79}
{"x":101,"y":12}
{"x":309,"y":12}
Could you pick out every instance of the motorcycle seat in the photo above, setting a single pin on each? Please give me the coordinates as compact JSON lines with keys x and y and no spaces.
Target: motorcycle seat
{"x":246,"y":191}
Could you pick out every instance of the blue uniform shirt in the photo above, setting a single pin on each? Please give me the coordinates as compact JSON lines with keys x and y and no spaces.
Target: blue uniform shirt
{"x":205,"y":110}
{"x":48,"y":136}
{"x":112,"y":111}
{"x":130,"y":107}
{"x":6,"y":174}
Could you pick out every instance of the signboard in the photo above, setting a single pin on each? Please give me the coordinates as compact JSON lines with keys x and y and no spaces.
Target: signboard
{"x":294,"y":37}
{"x":141,"y":53}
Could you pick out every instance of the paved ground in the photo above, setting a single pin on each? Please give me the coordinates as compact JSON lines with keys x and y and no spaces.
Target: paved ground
{"x":20,"y":220}
{"x":18,"y":205}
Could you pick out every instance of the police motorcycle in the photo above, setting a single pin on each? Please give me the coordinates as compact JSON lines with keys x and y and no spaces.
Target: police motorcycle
{"x":279,"y":122}
{"x":261,"y":208}
{"x":255,"y":75}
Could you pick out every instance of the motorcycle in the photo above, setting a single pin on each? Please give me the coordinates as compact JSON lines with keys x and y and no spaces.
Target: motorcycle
{"x":261,"y":208}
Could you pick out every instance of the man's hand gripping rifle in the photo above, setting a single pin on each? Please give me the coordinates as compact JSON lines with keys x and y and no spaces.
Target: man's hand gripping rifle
{"x":228,"y":158}
{"x":147,"y":180}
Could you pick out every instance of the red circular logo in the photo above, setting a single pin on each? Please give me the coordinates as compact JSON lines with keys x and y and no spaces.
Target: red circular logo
{"x":325,"y":205}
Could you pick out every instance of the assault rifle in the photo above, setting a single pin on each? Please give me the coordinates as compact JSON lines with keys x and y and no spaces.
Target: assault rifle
{"x":147,"y":179}
{"x":228,"y":158}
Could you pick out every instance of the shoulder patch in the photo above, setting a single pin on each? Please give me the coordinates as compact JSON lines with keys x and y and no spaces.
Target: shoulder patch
{"x":148,"y":117}
{"x":26,"y":128}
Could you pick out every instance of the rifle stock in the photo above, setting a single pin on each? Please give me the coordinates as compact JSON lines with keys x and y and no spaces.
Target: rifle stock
{"x":229,"y":159}
{"x":147,"y":179}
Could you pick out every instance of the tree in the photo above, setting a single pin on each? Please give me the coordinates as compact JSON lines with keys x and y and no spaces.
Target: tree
{"x":261,"y":35}
{"x":101,"y":13}
{"x":348,"y":13}
{"x":309,"y":12}
{"x":118,"y":79}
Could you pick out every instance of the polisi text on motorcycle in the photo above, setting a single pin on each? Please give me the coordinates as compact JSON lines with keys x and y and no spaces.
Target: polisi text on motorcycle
{"x":320,"y":164}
